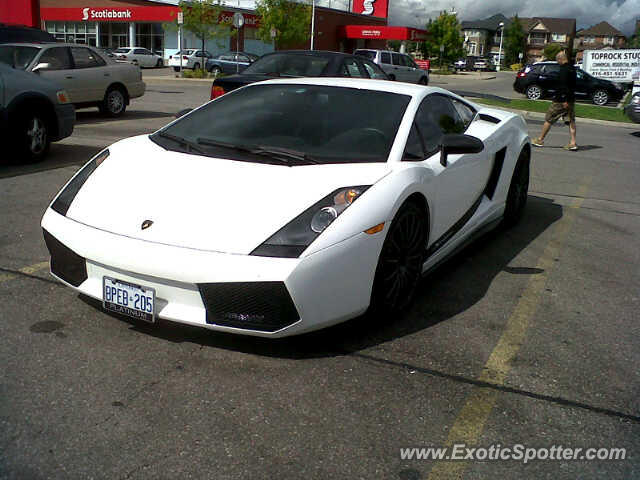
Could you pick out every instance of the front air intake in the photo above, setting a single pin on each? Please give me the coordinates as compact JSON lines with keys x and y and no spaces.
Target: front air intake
{"x":262,"y":306}
{"x":65,"y":263}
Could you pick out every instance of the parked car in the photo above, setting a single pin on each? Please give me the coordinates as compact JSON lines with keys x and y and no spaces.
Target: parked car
{"x":33,"y":113}
{"x":483,"y":65}
{"x":88,"y":77}
{"x":399,"y":66}
{"x":459,"y":65}
{"x":107,"y":51}
{"x":230,"y":62}
{"x":633,"y":108}
{"x":191,"y":58}
{"x":16,"y":33}
{"x":539,"y":80}
{"x":299,"y":63}
{"x":139,"y":56}
{"x":336,"y":195}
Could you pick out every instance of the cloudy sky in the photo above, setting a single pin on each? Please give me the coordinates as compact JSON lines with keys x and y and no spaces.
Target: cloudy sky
{"x":619,"y":13}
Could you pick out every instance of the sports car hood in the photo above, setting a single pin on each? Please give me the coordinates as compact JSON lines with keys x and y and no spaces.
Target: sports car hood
{"x":201,"y":202}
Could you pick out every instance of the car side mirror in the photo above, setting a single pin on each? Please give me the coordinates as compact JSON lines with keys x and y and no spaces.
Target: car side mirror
{"x":182,"y":113}
{"x":456,"y":144}
{"x":41,"y":66}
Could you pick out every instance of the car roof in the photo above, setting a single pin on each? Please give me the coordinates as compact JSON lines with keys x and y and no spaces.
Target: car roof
{"x":401,"y":88}
{"x":311,"y":53}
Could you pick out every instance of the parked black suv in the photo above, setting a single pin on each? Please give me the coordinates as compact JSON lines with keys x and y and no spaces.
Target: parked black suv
{"x":539,"y":80}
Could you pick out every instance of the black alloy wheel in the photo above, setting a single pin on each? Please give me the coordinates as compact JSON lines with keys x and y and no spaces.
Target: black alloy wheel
{"x":518,"y":191}
{"x":399,"y":267}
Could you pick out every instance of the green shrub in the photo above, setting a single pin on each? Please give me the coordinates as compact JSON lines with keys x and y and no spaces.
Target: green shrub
{"x":196,"y":74}
{"x":516,"y":67}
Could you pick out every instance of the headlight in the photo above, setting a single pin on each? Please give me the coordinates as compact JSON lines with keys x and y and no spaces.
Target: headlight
{"x":293,"y":239}
{"x":635,"y":100}
{"x":63,"y":201}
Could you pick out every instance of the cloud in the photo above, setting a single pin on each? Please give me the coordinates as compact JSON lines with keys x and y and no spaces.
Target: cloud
{"x":621,"y":14}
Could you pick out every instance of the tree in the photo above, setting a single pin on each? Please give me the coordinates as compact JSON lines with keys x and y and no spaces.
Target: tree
{"x":634,"y":41}
{"x":203,"y":19}
{"x":551,"y":50}
{"x":514,"y":41}
{"x":290,"y":20}
{"x":445,"y":30}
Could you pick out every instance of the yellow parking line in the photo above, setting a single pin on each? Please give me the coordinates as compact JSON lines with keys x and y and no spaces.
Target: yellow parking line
{"x":471,"y":420}
{"x":30,"y":270}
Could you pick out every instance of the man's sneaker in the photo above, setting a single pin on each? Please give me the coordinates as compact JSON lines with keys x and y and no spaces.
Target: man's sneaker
{"x":571,"y":148}
{"x":537,"y":142}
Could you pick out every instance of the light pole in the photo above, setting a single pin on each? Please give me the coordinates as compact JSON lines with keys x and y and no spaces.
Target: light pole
{"x":313,"y":21}
{"x":501,"y":25}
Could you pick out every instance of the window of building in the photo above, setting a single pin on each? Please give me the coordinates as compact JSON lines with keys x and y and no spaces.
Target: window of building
{"x":73,"y":32}
{"x":250,"y":33}
{"x":150,"y":36}
{"x":589,"y":39}
{"x":558,"y":37}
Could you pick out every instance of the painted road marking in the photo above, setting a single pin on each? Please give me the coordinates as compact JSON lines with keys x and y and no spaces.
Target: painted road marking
{"x":471,"y":420}
{"x":30,"y":270}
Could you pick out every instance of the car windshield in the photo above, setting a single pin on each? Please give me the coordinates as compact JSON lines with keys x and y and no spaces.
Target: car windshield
{"x":348,"y":125}
{"x":370,"y":54}
{"x":121,"y":50}
{"x":185,"y":52}
{"x":289,"y":65}
{"x":17,"y":56}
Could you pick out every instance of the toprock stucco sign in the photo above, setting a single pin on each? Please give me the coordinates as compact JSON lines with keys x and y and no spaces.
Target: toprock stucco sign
{"x":614,"y":65}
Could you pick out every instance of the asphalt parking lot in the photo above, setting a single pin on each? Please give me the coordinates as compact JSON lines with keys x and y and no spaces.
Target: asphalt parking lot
{"x":529,"y":336}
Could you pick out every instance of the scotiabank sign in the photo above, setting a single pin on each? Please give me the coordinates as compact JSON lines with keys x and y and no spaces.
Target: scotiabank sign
{"x":374,"y":8}
{"x":160,"y":13}
{"x":386,"y":33}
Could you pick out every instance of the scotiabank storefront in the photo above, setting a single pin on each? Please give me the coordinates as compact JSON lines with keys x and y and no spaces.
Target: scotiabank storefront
{"x":140,"y":23}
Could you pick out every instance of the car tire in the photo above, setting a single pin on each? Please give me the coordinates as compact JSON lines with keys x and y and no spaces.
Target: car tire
{"x":518,"y":191}
{"x":196,"y":66}
{"x":216,"y":70}
{"x":600,"y":97}
{"x":159,"y":63}
{"x":114,"y":103}
{"x":32,"y":132}
{"x":424,"y":81}
{"x":399,"y":268}
{"x":533,"y":92}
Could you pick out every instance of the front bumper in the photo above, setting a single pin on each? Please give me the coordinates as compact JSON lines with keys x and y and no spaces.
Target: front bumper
{"x":66,"y":116}
{"x":275,"y":297}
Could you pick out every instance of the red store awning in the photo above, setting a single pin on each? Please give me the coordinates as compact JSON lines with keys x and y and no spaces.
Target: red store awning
{"x":383,"y":33}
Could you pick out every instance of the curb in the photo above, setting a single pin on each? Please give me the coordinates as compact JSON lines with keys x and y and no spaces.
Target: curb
{"x":589,"y":121}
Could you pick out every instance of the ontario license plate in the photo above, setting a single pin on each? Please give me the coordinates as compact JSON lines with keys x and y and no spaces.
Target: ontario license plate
{"x":128,"y":299}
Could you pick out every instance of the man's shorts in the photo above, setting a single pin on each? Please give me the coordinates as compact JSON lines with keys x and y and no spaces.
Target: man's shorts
{"x":557,"y":110}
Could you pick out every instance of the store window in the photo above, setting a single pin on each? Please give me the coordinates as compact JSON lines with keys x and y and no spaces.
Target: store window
{"x":73,"y":32}
{"x":150,"y":36}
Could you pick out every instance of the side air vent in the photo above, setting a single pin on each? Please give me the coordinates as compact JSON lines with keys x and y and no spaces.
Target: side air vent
{"x":489,"y":118}
{"x":498,"y":163}
{"x":263,"y":306}
{"x":65,"y":263}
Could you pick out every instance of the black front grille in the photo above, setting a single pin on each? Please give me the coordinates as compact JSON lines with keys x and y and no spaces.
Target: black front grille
{"x":65,"y":263}
{"x":263,"y":306}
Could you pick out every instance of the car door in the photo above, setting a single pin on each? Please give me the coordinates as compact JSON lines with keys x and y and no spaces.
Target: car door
{"x":142,"y":57}
{"x":350,"y":68}
{"x":583,"y":84}
{"x":243,"y":61}
{"x":460,"y":184}
{"x":60,"y":70}
{"x":91,"y":74}
{"x":373,"y":70}
{"x":399,"y":68}
{"x":414,"y":74}
{"x":548,"y":78}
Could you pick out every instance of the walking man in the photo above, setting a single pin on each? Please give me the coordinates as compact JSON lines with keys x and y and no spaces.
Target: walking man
{"x":563,"y":103}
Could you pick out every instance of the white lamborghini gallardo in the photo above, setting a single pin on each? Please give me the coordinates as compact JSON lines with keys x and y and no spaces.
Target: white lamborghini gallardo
{"x":288,"y":205}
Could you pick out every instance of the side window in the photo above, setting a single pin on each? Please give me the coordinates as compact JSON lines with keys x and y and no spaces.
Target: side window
{"x":227,"y":58}
{"x":57,"y":57}
{"x":552,"y":69}
{"x":199,"y":53}
{"x":350,"y":68}
{"x":373,"y":70}
{"x":397,"y":58}
{"x":410,"y":62}
{"x":466,"y":113}
{"x":385,"y":57}
{"x":414,"y":150}
{"x":85,"y":58}
{"x":138,"y":51}
{"x":436,"y":117}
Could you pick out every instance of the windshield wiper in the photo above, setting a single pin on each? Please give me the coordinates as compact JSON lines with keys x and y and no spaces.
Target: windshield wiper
{"x":183,"y":141}
{"x":283,"y":155}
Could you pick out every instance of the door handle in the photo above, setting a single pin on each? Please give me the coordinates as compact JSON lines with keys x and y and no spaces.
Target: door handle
{"x":68,"y":76}
{"x":107,"y":74}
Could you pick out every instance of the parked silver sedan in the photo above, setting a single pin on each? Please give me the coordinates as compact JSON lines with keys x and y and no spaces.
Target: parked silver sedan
{"x":90,"y":78}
